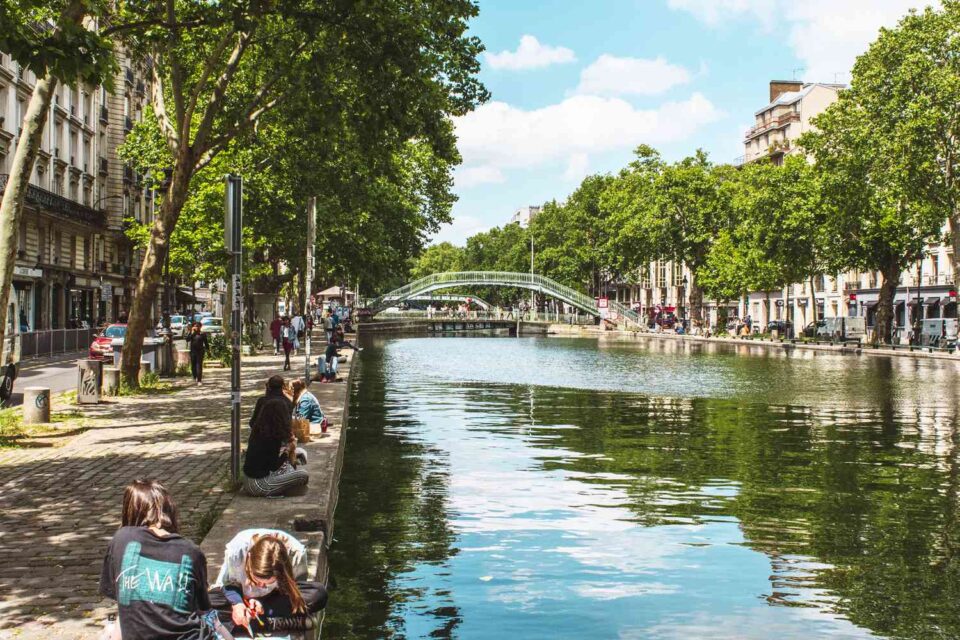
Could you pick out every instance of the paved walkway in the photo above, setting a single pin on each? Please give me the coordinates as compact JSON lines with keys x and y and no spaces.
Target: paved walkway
{"x":60,"y":502}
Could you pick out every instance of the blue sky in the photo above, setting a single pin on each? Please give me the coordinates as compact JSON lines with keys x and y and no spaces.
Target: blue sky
{"x":576,"y":86}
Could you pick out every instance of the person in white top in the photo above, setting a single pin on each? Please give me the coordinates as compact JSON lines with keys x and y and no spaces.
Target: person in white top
{"x":262,"y":582}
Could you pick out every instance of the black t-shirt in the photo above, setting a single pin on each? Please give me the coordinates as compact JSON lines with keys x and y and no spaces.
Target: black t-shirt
{"x":160,"y":584}
{"x":199,"y":342}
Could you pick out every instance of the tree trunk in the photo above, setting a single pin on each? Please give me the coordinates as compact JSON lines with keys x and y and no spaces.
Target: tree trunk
{"x":696,"y":299}
{"x":151,"y":270}
{"x":813,"y":299}
{"x":11,"y":209}
{"x":891,"y":278}
{"x":953,"y":222}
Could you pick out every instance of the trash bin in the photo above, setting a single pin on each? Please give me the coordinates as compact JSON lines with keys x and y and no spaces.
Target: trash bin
{"x":89,"y":381}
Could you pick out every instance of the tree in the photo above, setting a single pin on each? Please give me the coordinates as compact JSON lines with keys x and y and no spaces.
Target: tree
{"x":437,"y":258}
{"x":908,"y":82}
{"x":870,"y":219}
{"x":50,"y":39}
{"x":691,"y":206}
{"x":216,"y":80}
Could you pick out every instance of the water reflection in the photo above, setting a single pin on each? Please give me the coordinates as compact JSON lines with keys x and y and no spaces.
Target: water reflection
{"x":657,"y":491}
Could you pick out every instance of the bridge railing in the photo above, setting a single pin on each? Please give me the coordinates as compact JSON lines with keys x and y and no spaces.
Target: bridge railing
{"x":536,"y":282}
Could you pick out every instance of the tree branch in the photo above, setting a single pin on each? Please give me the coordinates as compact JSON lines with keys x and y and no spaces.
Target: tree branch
{"x":220,"y":91}
{"x":160,"y":110}
{"x":212,"y":60}
{"x":176,"y":76}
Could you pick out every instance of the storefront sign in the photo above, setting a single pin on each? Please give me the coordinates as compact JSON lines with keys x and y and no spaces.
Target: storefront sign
{"x":27,"y":272}
{"x":106,"y":291}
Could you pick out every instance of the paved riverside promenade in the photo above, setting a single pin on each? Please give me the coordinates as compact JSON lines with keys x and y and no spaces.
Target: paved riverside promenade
{"x":60,"y":502}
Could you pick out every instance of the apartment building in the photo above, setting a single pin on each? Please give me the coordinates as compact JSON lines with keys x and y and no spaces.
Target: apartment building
{"x":524,"y":215}
{"x":74,"y":264}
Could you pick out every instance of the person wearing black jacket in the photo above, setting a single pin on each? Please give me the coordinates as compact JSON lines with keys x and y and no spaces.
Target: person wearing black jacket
{"x":267,"y":467}
{"x":199,"y":346}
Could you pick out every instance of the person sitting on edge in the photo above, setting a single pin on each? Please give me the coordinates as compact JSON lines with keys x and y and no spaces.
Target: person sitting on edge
{"x":263,"y":576}
{"x":342,"y":341}
{"x":269,"y":466}
{"x":157,"y":577}
{"x":305,"y":404}
{"x":330,"y":361}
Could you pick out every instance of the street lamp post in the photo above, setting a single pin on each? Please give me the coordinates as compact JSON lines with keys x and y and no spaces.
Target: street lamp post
{"x":682,"y":301}
{"x":533,"y":293}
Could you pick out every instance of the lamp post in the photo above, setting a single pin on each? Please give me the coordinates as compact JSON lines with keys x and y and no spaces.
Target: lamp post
{"x":533,"y":293}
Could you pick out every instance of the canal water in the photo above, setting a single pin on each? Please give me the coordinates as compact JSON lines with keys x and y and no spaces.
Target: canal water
{"x":575,"y":488}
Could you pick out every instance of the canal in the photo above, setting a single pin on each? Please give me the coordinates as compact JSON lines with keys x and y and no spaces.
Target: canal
{"x":575,"y":488}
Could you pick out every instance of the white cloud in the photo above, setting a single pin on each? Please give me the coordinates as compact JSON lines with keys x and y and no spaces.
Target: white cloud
{"x":825,"y":35}
{"x":467,"y":177}
{"x":531,"y":54}
{"x":613,"y":76}
{"x":578,"y":166}
{"x":459,"y":230}
{"x":498,"y":136}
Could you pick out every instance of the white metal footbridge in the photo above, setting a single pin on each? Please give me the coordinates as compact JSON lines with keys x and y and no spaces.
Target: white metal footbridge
{"x":533,"y":282}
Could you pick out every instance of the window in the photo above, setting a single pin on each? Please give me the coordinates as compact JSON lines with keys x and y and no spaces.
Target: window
{"x":42,"y":241}
{"x":74,"y":191}
{"x":20,"y":113}
{"x":73,"y":251}
{"x":57,"y":246}
{"x":677,"y":274}
{"x":58,"y":184}
{"x":22,"y":240}
{"x":661,"y":274}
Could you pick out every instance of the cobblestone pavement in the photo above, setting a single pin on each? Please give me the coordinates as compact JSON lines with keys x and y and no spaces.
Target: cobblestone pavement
{"x":60,"y":502}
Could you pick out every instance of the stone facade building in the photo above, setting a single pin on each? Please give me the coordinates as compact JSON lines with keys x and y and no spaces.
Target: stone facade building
{"x":74,"y":264}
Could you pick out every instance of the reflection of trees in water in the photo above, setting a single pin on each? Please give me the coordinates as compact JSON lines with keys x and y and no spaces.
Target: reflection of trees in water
{"x":388,"y":527}
{"x":870,"y":494}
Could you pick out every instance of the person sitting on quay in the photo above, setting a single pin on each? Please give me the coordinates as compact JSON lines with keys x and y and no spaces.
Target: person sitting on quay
{"x":262,"y":583}
{"x":330,"y":361}
{"x":149,"y":540}
{"x":306,"y":405}
{"x":272,"y":457}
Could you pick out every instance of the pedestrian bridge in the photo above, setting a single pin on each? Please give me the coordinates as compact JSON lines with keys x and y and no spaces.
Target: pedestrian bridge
{"x":541,"y":284}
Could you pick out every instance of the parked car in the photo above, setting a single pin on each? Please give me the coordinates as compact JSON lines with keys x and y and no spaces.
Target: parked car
{"x":178,"y":325}
{"x":102,"y":346}
{"x":211,"y":325}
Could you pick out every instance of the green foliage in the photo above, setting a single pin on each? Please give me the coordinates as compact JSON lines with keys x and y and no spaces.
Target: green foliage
{"x":220,"y":349}
{"x":437,"y":258}
{"x":50,"y":36}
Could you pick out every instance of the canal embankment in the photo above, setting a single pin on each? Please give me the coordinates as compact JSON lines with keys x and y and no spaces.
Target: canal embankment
{"x":309,"y":515}
{"x":584,"y":331}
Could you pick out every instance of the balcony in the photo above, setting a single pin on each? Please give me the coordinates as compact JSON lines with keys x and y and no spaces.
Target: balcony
{"x":53,"y":203}
{"x":771,"y":124}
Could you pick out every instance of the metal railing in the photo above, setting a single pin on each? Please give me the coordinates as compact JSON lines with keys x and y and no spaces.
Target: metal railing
{"x":534,"y":282}
{"x":39,"y":344}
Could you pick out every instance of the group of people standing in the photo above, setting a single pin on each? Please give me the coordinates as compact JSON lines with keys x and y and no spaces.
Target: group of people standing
{"x":287,"y":333}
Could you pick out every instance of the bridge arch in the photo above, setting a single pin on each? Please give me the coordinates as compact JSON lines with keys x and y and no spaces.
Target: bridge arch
{"x":533,"y":282}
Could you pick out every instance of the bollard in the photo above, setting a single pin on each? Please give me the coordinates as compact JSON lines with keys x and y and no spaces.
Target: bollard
{"x":89,"y":375}
{"x":111,"y":381}
{"x":145,"y":367}
{"x":36,"y":405}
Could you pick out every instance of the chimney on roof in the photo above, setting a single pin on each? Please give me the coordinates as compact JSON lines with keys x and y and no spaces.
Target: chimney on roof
{"x":780,"y":87}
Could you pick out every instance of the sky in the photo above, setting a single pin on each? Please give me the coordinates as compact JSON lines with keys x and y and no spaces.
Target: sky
{"x":576,"y":86}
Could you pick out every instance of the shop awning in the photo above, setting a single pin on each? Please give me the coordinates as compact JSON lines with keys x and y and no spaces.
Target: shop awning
{"x":935,"y":300}
{"x":184,"y":295}
{"x":872,"y":304}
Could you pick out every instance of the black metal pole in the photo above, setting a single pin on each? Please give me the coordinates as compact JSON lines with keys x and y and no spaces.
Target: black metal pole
{"x":233,"y":237}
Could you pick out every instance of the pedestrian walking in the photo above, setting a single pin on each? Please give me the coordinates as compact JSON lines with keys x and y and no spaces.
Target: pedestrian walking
{"x":328,"y":325}
{"x":287,"y":336}
{"x":299,"y":326}
{"x":199,"y":347}
{"x":275,"y":334}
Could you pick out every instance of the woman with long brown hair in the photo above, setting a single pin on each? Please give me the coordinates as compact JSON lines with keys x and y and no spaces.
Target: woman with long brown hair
{"x":262,"y":582}
{"x":157,"y":577}
{"x":268,"y":467}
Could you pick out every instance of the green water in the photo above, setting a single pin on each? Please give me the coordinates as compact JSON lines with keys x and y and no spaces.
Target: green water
{"x":565,"y":488}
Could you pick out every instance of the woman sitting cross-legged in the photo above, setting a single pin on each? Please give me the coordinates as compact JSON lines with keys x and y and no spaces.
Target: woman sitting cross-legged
{"x":270,"y":464}
{"x":261,"y":583}
{"x":305,"y":404}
